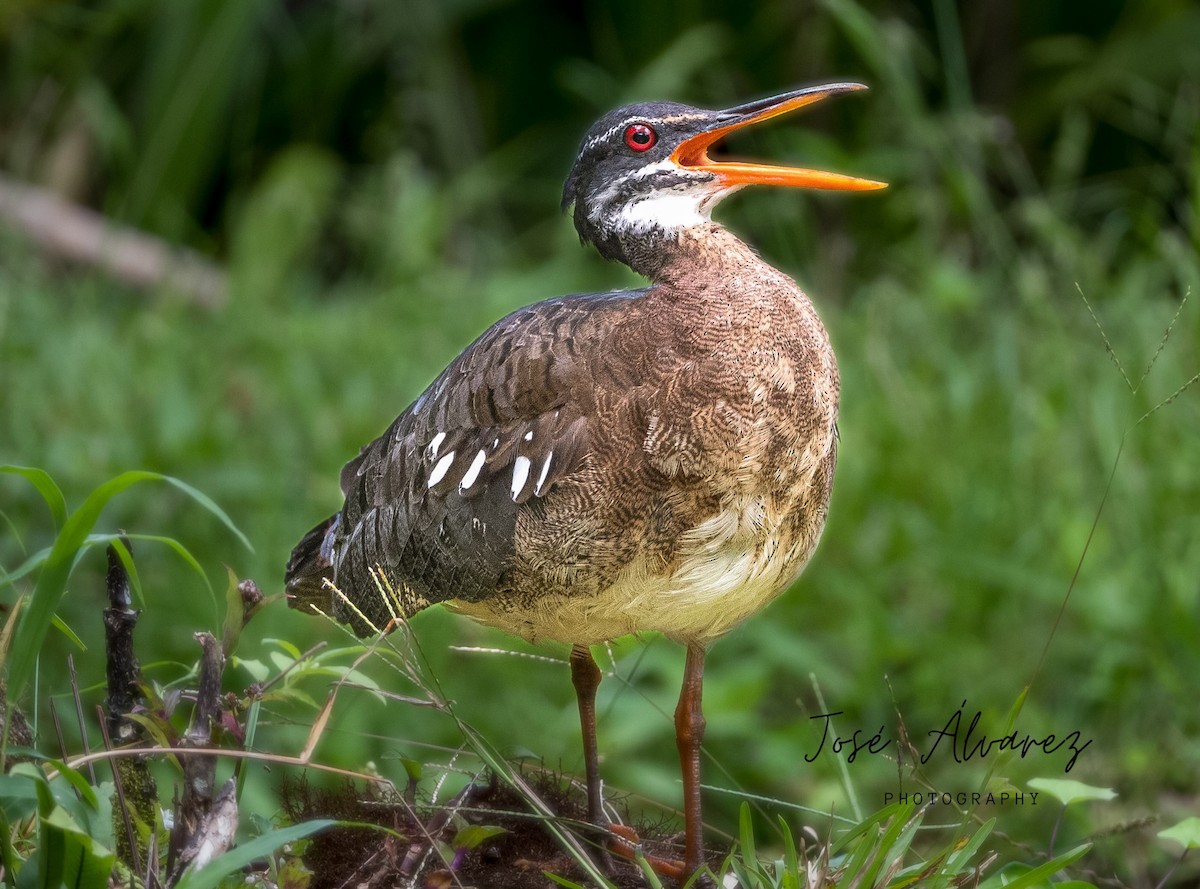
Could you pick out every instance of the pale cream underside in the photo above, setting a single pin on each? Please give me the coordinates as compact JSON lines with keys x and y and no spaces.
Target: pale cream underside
{"x":729,"y":569}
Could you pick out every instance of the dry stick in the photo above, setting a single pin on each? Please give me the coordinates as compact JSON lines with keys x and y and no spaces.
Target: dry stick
{"x":62,"y":741}
{"x":137,"y":792}
{"x":68,"y":231}
{"x":122,"y":670}
{"x":79,"y":711}
{"x":150,"y":877}
{"x":199,"y":772}
{"x":214,"y":752}
{"x":215,"y":833}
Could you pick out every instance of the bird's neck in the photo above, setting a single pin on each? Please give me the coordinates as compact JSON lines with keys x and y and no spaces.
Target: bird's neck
{"x":699,"y":255}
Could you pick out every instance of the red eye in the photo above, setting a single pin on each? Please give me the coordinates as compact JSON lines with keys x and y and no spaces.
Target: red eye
{"x":640,"y":137}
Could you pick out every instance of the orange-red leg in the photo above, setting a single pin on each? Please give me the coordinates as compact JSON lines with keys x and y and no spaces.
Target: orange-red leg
{"x":689,"y":732}
{"x":585,"y":676}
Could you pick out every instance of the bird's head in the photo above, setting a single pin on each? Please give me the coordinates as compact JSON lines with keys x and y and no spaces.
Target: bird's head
{"x":643,"y":171}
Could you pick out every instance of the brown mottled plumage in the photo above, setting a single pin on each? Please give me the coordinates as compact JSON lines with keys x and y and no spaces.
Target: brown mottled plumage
{"x":600,"y":464}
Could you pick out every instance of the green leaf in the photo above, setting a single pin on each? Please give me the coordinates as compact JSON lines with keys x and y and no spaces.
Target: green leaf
{"x":291,"y":694}
{"x":71,"y":830}
{"x":474,"y":835}
{"x":791,"y":857}
{"x":252,"y":720}
{"x":362,"y":680}
{"x":45,"y":485}
{"x":211,"y":875}
{"x":209,"y":504}
{"x":18,"y":797}
{"x":1041,"y":875}
{"x":742,"y":876}
{"x":412,"y":768}
{"x":84,"y":862}
{"x":1186,"y":832}
{"x":873,"y":822}
{"x":61,"y":625}
{"x":961,"y":859}
{"x":997,"y":784}
{"x":561,"y":881}
{"x":293,"y":874}
{"x":86,"y":792}
{"x":52,"y":581}
{"x":746,"y":835}
{"x":31,"y":564}
{"x":292,"y":651}
{"x":648,"y":872}
{"x":1067,"y":791}
{"x":258,"y":671}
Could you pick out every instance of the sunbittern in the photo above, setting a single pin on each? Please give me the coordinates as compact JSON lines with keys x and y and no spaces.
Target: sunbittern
{"x":606,"y":463}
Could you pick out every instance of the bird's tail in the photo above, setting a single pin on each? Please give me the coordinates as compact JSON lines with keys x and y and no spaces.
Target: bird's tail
{"x":310,"y":566}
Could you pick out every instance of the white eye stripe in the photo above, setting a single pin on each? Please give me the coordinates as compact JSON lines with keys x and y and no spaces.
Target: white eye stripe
{"x":612,"y":131}
{"x":473,"y":471}
{"x":648,"y":120}
{"x":440,"y":470}
{"x":520,"y":475}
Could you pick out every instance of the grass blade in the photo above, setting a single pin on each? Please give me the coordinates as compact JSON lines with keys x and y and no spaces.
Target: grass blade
{"x":52,"y":581}
{"x":1043,"y":873}
{"x":45,"y":485}
{"x":210,"y":876}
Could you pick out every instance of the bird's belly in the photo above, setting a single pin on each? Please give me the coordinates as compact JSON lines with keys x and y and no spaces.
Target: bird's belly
{"x":727,"y":568}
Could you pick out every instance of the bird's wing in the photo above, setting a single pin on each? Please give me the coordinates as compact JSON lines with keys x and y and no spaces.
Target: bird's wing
{"x":433,"y":502}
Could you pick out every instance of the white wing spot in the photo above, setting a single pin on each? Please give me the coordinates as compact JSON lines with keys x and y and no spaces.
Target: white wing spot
{"x":435,"y":444}
{"x":529,"y":435}
{"x":439,"y":471}
{"x":473,"y":471}
{"x":537,"y":489}
{"x":520,"y":475}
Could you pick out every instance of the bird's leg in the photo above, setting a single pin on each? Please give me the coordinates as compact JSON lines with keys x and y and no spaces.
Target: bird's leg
{"x":689,"y":732}
{"x":585,"y":676}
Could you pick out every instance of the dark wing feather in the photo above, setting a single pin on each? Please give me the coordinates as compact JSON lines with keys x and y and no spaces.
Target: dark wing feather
{"x":433,"y":502}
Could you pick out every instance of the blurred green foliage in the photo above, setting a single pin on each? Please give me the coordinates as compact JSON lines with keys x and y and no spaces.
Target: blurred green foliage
{"x":381,"y":180}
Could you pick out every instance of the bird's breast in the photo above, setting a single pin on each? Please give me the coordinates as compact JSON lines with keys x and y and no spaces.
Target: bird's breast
{"x":705,"y":501}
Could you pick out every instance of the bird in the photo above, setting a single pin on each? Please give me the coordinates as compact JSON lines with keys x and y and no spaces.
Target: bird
{"x":601,"y":464}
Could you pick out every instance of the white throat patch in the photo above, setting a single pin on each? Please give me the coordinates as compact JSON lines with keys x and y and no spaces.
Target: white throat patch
{"x":672,"y":210}
{"x":668,"y":211}
{"x":684,"y":205}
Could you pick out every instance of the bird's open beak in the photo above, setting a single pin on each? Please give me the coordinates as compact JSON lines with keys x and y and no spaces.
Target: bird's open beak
{"x":692,"y":153}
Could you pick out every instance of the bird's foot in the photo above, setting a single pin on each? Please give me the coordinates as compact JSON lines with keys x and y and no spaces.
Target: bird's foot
{"x":625,"y":843}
